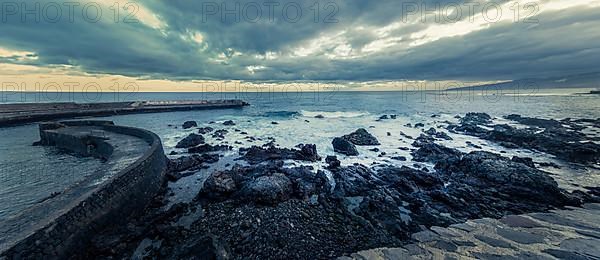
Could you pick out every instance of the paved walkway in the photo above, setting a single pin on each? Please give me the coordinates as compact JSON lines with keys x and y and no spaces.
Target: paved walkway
{"x":573,"y":233}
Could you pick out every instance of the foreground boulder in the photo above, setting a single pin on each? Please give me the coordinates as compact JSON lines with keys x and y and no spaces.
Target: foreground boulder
{"x":268,"y":189}
{"x":341,"y":145}
{"x":190,"y":141}
{"x":361,"y":137}
{"x":266,"y":184}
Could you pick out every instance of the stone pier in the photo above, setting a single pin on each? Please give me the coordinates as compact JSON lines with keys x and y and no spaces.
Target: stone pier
{"x":21,"y":113}
{"x":133,"y":172}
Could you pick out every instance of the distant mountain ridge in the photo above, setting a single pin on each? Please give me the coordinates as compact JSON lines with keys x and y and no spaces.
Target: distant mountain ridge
{"x":587,"y":80}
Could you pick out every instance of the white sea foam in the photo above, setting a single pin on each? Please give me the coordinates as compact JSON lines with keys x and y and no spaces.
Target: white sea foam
{"x":338,"y":114}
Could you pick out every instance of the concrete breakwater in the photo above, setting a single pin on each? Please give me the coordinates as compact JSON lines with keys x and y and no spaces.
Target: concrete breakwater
{"x":21,"y":113}
{"x":63,"y":224}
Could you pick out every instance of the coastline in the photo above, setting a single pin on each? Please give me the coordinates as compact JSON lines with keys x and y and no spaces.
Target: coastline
{"x":259,"y":198}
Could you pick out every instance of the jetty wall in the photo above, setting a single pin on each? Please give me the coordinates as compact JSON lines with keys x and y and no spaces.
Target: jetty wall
{"x":111,"y":203}
{"x":22,"y":113}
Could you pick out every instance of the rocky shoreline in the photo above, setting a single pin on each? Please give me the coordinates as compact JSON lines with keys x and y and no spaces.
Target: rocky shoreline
{"x":264,"y":207}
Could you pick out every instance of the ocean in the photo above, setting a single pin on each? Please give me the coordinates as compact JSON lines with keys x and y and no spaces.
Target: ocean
{"x":29,"y":174}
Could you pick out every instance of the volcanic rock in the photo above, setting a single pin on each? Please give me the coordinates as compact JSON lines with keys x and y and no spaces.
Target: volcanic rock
{"x":343,"y":146}
{"x":189,"y":124}
{"x":190,"y":141}
{"x":361,"y":137}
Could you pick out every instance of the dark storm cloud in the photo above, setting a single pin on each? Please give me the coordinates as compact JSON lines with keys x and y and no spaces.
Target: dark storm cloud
{"x":350,"y":40}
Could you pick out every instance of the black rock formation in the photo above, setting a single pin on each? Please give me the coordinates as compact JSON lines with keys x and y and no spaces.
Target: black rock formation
{"x":190,"y":141}
{"x":189,"y":124}
{"x":343,"y":146}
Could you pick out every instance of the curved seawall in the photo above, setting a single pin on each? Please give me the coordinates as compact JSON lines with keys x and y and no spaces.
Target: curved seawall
{"x":79,"y":212}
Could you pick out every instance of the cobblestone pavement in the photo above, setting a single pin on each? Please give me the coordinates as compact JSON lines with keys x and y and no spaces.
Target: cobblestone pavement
{"x":573,"y":233}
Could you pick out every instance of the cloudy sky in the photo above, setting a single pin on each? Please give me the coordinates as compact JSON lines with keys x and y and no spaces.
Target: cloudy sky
{"x":164,"y":45}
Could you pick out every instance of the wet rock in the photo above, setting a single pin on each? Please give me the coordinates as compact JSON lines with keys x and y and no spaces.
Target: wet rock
{"x":361,"y":137}
{"x":267,"y":184}
{"x":383,"y":117}
{"x":173,"y":153}
{"x":518,"y":183}
{"x":417,"y":125}
{"x":194,"y":162}
{"x":471,"y":144}
{"x":307,"y":152}
{"x":524,"y":160}
{"x":343,"y":146}
{"x":405,"y":135}
{"x":399,"y":158}
{"x":476,"y":119}
{"x":228,"y":122}
{"x":190,"y":141}
{"x":205,"y":130}
{"x":219,"y":185}
{"x":431,"y":152}
{"x":332,"y":162}
{"x":220,"y":134}
{"x":555,"y":139}
{"x":355,"y":180}
{"x":549,"y":164}
{"x":543,"y":123}
{"x":207,"y":148}
{"x":269,"y":190}
{"x":189,"y":124}
{"x":438,"y":134}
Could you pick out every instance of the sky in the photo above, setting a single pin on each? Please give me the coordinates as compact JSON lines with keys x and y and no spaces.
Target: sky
{"x":193,"y":45}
